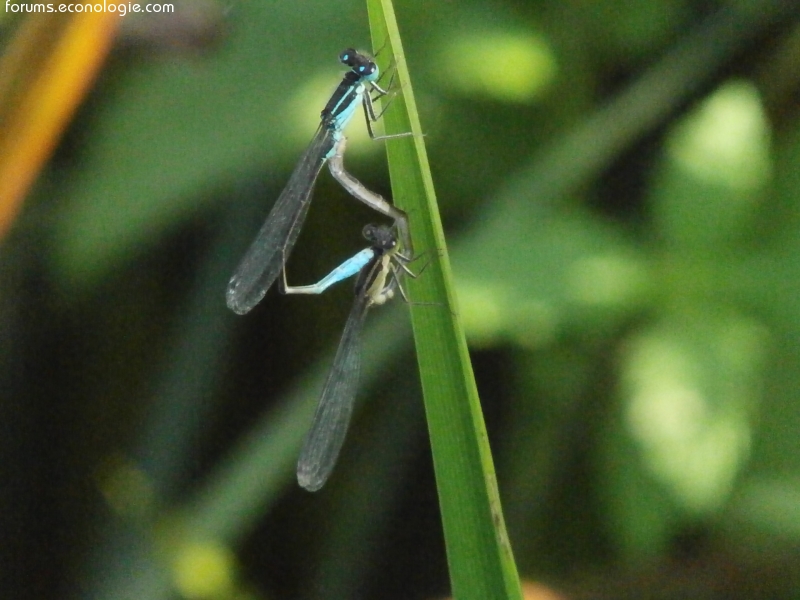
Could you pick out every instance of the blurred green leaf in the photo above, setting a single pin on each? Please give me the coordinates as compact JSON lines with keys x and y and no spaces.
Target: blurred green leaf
{"x":715,"y":175}
{"x":526,"y":281}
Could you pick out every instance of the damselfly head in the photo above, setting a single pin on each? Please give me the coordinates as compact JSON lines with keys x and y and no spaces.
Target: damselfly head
{"x":379,"y":236}
{"x":361,"y":64}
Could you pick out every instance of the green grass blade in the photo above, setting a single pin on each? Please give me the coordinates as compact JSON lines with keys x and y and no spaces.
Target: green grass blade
{"x":478,"y":552}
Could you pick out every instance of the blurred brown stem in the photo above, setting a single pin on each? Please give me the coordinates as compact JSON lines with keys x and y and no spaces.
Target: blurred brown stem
{"x":44,"y":74}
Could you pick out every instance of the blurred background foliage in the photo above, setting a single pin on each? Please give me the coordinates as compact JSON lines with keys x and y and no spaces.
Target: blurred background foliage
{"x":619,"y":183}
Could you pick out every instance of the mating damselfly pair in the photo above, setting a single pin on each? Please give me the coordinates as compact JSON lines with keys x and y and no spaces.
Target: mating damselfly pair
{"x":379,"y":268}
